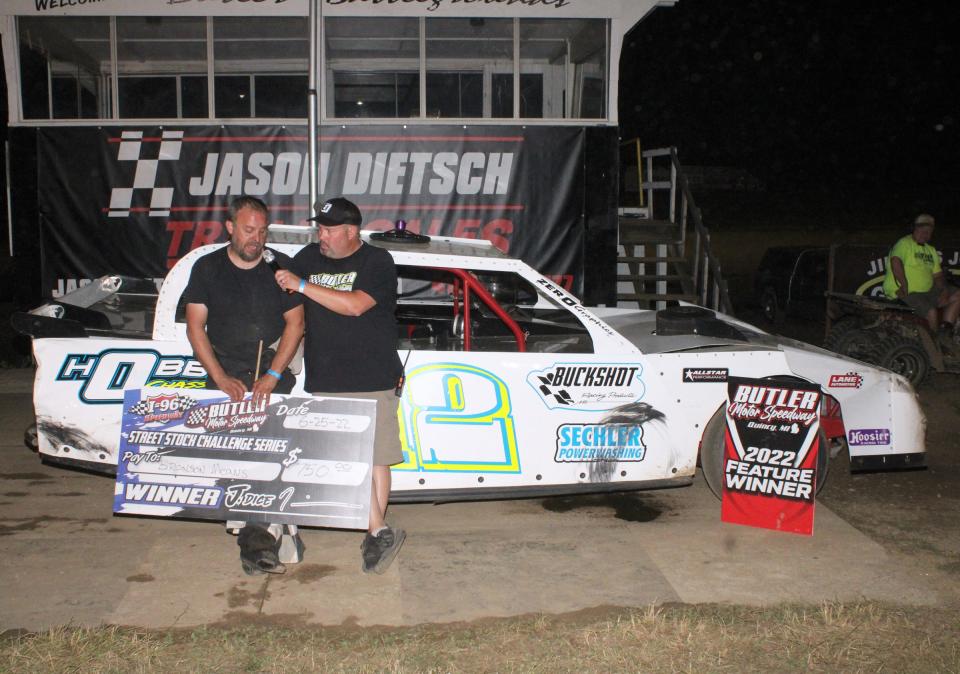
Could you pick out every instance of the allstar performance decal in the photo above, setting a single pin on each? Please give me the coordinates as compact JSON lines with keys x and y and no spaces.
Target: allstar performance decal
{"x":695,"y":375}
{"x":593,"y":387}
{"x":770,"y":454}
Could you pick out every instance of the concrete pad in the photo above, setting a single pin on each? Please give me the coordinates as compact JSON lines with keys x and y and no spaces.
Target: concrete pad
{"x":68,"y":560}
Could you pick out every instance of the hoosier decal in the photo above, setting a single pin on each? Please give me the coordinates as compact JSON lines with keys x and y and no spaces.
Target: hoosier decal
{"x":869,"y":436}
{"x":587,"y":387}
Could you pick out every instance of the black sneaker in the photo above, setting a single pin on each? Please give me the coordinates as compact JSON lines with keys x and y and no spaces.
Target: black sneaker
{"x":258,"y":551}
{"x":378,"y":551}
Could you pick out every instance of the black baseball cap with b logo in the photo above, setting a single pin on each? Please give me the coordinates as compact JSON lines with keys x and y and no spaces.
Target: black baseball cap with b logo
{"x":338,"y":211}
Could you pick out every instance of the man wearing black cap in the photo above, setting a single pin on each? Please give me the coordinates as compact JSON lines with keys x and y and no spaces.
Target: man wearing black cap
{"x":351,"y":345}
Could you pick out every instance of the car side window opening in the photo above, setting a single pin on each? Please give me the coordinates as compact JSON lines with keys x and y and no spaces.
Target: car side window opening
{"x":464,"y":310}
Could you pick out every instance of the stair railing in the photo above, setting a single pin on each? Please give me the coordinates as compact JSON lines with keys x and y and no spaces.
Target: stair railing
{"x":665,"y":177}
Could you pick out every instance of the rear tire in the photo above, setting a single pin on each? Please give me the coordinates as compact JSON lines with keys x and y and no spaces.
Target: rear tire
{"x":30,"y":438}
{"x":905,"y":357}
{"x":712,"y":451}
{"x":770,"y":306}
{"x":848,"y":338}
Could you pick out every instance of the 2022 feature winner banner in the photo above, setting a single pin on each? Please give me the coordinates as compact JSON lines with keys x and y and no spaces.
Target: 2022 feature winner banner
{"x":770,"y":455}
{"x":132,"y":201}
{"x":197,"y":454}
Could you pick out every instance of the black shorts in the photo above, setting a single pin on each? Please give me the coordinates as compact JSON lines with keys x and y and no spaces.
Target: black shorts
{"x":923,"y":302}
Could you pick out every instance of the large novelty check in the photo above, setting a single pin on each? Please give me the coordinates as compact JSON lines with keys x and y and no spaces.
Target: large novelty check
{"x":295,"y":460}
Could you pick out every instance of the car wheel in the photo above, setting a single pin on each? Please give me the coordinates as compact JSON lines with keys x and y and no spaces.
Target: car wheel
{"x":712,"y":453}
{"x":905,"y":357}
{"x":770,"y":306}
{"x":30,"y":438}
{"x":849,"y":339}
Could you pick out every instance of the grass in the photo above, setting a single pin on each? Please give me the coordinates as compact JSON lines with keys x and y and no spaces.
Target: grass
{"x":834,"y":637}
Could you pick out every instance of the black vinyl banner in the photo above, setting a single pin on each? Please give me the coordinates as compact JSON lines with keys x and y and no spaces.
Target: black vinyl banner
{"x":119,"y":200}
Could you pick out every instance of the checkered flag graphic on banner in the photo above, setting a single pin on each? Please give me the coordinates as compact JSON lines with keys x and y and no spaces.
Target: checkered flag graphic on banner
{"x":140,"y":408}
{"x":197,"y":417}
{"x":145,"y":190}
{"x":184,"y":404}
{"x":547,"y":389}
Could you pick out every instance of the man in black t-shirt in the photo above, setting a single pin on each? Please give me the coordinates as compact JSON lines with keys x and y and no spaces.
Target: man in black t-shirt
{"x":245,"y":330}
{"x":351,"y":346}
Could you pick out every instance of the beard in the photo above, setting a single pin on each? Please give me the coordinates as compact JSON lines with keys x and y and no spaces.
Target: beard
{"x":248,"y":253}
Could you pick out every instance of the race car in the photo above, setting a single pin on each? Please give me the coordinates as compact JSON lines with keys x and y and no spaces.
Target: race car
{"x":513,"y":387}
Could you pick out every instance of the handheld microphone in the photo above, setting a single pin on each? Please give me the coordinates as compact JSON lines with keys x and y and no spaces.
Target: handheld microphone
{"x":271,"y":260}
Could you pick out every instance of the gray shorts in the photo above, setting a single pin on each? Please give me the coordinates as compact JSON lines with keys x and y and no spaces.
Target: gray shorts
{"x":922,"y":303}
{"x":386,"y":441}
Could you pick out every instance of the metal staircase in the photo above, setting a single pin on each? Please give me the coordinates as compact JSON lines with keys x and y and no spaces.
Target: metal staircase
{"x":664,"y":249}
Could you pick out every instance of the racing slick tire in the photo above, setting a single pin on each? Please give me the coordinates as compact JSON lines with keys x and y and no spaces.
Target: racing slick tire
{"x":770,"y":306}
{"x":712,"y":450}
{"x":849,"y":339}
{"x":30,"y":438}
{"x":904,"y":357}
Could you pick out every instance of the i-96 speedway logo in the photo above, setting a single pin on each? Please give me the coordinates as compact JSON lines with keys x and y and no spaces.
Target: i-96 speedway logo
{"x":163,"y":408}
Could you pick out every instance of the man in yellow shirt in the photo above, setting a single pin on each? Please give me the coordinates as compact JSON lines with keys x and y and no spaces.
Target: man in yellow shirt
{"x":914,"y":276}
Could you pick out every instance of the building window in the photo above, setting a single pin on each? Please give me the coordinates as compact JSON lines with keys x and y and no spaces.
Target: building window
{"x":461,"y":55}
{"x":260,"y":66}
{"x":153,"y":53}
{"x":563,"y":68}
{"x":372,"y":67}
{"x":65,"y":67}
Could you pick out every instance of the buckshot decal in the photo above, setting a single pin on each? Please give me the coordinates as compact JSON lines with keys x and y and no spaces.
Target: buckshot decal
{"x":587,"y":387}
{"x":704,"y":374}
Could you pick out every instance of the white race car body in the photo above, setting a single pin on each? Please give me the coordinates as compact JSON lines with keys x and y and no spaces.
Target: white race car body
{"x":530,"y":393}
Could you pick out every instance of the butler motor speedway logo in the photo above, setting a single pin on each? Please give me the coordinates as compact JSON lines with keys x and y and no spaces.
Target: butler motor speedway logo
{"x":229,"y":416}
{"x":771,"y":430}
